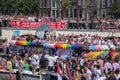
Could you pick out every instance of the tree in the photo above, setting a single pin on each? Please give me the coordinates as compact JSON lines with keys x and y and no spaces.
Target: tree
{"x":20,"y":6}
{"x":114,"y":9}
{"x":7,"y":6}
{"x":66,"y":6}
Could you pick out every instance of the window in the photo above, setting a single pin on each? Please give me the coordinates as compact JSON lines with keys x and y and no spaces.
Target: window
{"x":53,"y":3}
{"x":53,"y":12}
{"x":104,"y":14}
{"x":103,"y":3}
{"x":108,"y":3}
{"x":45,"y":3}
{"x":79,"y":2}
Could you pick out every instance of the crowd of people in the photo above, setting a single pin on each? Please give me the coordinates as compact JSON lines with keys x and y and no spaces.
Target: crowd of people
{"x":73,"y":63}
{"x":72,"y":23}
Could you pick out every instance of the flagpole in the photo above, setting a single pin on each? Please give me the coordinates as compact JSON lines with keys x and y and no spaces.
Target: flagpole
{"x":60,"y":8}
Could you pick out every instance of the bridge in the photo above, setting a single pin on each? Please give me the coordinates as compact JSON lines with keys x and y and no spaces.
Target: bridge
{"x":8,"y":32}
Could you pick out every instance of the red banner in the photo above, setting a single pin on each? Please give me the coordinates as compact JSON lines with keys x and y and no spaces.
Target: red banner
{"x":27,"y":24}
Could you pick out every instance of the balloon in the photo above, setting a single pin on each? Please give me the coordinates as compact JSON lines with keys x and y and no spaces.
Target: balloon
{"x":112,"y":46}
{"x":60,"y":46}
{"x":45,"y":45}
{"x":91,"y":47}
{"x":73,"y":46}
{"x":12,"y":42}
{"x":64,"y":46}
{"x":94,"y":47}
{"x":18,"y":42}
{"x":23,"y":43}
{"x":28,"y":43}
{"x":35,"y":43}
{"x":98,"y":47}
{"x":76,"y":46}
{"x":52,"y":45}
{"x":56,"y":45}
{"x":105,"y":47}
{"x":68,"y":46}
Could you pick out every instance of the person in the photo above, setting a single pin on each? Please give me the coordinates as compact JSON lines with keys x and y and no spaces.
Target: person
{"x":107,"y":66}
{"x":26,"y":66}
{"x":100,"y":61}
{"x":98,"y":73}
{"x":111,"y":76}
{"x":35,"y":61}
{"x":4,"y":47}
{"x":43,"y":63}
{"x":88,"y":73}
{"x":77,"y":75}
{"x":83,"y":74}
{"x":50,"y":63}
{"x":117,"y":74}
{"x":115,"y":65}
{"x":9,"y":64}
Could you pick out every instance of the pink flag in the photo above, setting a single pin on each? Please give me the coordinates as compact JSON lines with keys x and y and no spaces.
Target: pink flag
{"x":59,"y":73}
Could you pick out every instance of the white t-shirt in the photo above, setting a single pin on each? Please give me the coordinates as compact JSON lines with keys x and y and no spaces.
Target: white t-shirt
{"x":118,"y":77}
{"x":89,"y":73}
{"x":35,"y":59}
{"x":50,"y":61}
{"x":82,"y":62}
{"x":97,"y":75}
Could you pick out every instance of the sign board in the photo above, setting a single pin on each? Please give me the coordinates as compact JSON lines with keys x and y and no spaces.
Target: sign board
{"x":16,"y":32}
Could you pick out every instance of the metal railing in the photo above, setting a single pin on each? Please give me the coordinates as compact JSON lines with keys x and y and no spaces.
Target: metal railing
{"x":6,"y":75}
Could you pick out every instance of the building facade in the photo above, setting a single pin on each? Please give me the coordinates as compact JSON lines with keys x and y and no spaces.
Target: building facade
{"x":86,"y":9}
{"x":93,"y":8}
{"x":48,"y":8}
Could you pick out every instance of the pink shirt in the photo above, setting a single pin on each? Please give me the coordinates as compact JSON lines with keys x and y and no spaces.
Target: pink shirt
{"x":115,"y":66}
{"x":4,"y":45}
{"x":101,"y":62}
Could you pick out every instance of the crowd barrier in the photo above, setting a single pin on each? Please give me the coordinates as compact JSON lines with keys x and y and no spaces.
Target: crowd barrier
{"x":6,"y":75}
{"x":58,"y":25}
{"x":75,"y":25}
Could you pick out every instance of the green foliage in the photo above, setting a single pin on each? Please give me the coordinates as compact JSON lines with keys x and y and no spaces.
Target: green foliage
{"x":67,"y":4}
{"x":114,"y":9}
{"x":21,"y":6}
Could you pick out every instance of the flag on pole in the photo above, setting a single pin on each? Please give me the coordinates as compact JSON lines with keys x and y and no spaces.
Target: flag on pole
{"x":68,"y":71}
{"x":59,"y":73}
